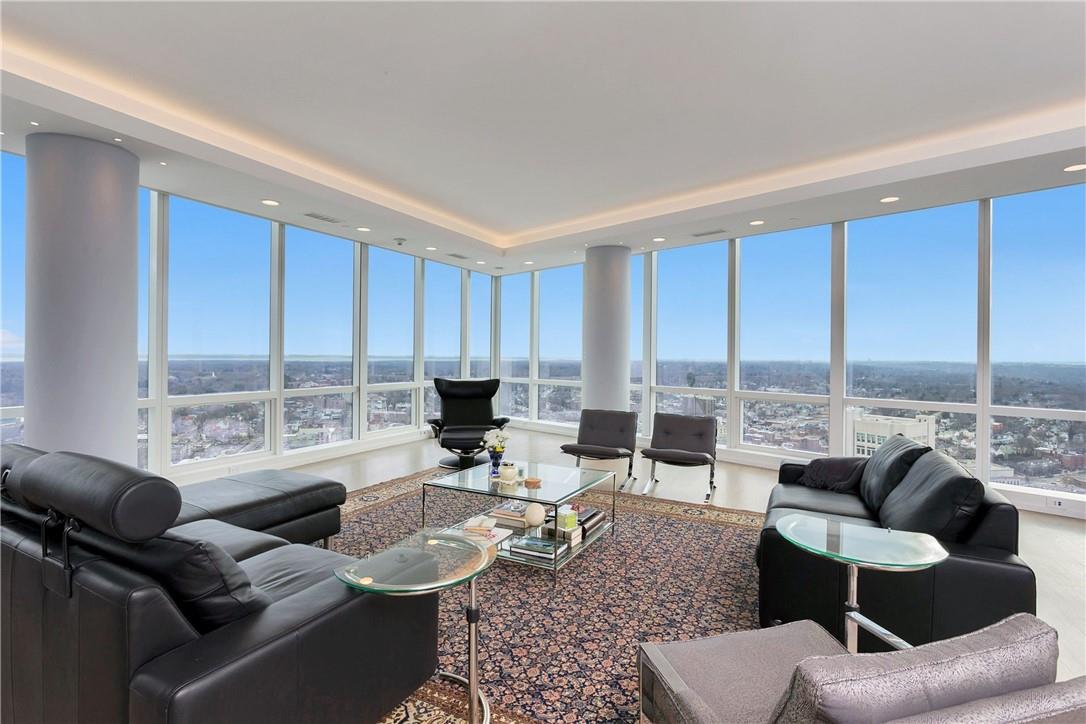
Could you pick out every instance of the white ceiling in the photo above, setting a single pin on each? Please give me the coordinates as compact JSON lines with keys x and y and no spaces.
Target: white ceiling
{"x":539,"y":127}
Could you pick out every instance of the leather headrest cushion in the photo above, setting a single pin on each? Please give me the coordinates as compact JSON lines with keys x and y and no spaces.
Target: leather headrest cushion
{"x":12,"y":453}
{"x":118,"y":500}
{"x":466,"y":389}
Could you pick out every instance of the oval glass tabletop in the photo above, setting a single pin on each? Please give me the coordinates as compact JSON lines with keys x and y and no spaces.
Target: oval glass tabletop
{"x":865,"y":546}
{"x":425,"y":562}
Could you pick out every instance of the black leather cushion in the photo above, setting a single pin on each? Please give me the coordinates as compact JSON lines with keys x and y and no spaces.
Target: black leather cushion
{"x":938,"y":496}
{"x":463,"y":437}
{"x":118,"y":500}
{"x":466,"y":402}
{"x":598,"y":452}
{"x":12,"y":453}
{"x":677,"y":457}
{"x":259,"y":499}
{"x":841,"y":475}
{"x":282,"y":572}
{"x":887,"y":467}
{"x":800,"y":497}
{"x":238,"y":543}
{"x":207,"y":585}
{"x":684,"y":432}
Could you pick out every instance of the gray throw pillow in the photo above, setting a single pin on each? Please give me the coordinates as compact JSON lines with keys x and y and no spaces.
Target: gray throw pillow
{"x":887,"y":467}
{"x":1015,"y":654}
{"x":938,"y":497}
{"x":841,"y":475}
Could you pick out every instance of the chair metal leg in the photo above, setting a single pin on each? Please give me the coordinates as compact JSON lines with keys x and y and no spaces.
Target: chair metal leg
{"x":327,"y":542}
{"x":652,"y":478}
{"x":578,"y":461}
{"x":712,"y":483}
{"x":629,"y":475}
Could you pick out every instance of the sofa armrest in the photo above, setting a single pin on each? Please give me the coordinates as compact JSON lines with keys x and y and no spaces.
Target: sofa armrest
{"x":500,"y":422}
{"x":995,"y":524}
{"x":977,"y":586}
{"x":327,"y":653}
{"x":790,"y":473}
{"x":436,"y":424}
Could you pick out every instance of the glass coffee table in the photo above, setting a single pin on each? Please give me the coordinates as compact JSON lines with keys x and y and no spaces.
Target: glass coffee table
{"x":427,"y":562}
{"x":860,"y":546}
{"x":559,"y":485}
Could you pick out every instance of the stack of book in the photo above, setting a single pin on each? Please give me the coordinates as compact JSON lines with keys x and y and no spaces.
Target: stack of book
{"x":535,"y":547}
{"x":510,"y":515}
{"x":485,"y":528}
{"x":588,"y":519}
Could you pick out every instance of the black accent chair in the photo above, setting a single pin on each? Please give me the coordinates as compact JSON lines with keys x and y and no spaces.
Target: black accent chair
{"x":112,"y":613}
{"x":467,"y":413}
{"x":903,"y":486}
{"x":605,"y":435}
{"x":685,"y":441}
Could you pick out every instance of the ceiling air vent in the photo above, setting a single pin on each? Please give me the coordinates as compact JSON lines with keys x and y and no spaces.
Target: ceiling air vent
{"x":714,"y":232}
{"x":457,"y":256}
{"x":325,"y":219}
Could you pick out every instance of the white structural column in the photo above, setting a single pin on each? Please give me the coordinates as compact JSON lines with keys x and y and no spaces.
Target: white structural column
{"x":606,"y":330}
{"x":81,"y":260}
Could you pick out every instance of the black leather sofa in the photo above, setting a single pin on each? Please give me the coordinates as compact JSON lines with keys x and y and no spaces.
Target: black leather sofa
{"x":903,"y":486}
{"x":116,"y":608}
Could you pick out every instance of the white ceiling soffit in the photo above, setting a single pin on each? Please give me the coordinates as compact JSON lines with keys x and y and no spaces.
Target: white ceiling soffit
{"x":509,"y":128}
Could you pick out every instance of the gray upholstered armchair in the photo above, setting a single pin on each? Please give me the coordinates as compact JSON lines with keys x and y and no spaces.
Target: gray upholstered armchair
{"x":683,"y":440}
{"x":605,"y":435}
{"x":797,"y":672}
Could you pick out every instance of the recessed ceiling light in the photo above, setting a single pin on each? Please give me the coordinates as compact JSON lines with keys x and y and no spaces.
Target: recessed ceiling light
{"x":642,"y":248}
{"x":161,"y":163}
{"x":34,"y":123}
{"x":660,"y":238}
{"x":1,"y":133}
{"x":529,"y":263}
{"x":269,"y":202}
{"x":1076,"y":167}
{"x":757,"y":222}
{"x":480,"y":262}
{"x":118,"y":140}
{"x":889,"y":199}
{"x":431,"y":248}
{"x":361,"y":228}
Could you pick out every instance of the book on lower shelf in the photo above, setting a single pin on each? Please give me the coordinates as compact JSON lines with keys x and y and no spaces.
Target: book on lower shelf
{"x":573,"y":536}
{"x":536,"y":547}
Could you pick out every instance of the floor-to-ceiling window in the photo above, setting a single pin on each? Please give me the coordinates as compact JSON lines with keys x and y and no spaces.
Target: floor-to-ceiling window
{"x":784,"y":340}
{"x":691,"y":333}
{"x":560,"y":316}
{"x":1038,"y":340}
{"x":390,"y":339}
{"x":318,"y":338}
{"x":482,"y":308}
{"x":441,"y":328}
{"x":516,"y":330}
{"x":13,"y":295}
{"x":219,"y":298}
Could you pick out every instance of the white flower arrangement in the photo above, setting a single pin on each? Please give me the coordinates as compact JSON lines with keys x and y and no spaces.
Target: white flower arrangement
{"x":496,"y":439}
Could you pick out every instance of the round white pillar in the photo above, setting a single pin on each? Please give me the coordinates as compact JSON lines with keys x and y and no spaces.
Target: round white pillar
{"x":81,"y":268}
{"x":606,"y":329}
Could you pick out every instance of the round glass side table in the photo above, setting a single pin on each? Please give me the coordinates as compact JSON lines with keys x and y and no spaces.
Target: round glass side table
{"x":860,"y":546}
{"x":427,"y":562}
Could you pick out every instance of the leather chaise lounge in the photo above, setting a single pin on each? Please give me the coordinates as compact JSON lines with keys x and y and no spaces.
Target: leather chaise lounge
{"x":903,"y":486}
{"x":124,"y":600}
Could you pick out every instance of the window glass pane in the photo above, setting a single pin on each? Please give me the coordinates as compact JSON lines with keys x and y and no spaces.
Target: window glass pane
{"x":13,"y":290}
{"x":203,"y":432}
{"x":317,"y":420}
{"x":394,"y":408}
{"x":635,"y":406}
{"x":912,"y":305}
{"x":560,"y":296}
{"x":699,"y":405}
{"x":637,"y":316}
{"x":788,"y":425}
{"x":953,"y":433}
{"x":1038,"y":453}
{"x":143,"y":281}
{"x":692,"y":314}
{"x":559,"y":403}
{"x":784,"y":311}
{"x":220,"y":269}
{"x":391,"y":329}
{"x":516,"y":310}
{"x":11,"y":429}
{"x":513,"y":398}
{"x":318,"y":310}
{"x":142,"y":436}
{"x":441,"y":315}
{"x":431,"y":402}
{"x":1039,"y":299}
{"x":480,"y":324}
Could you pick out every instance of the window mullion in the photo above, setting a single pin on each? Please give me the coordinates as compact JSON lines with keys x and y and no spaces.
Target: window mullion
{"x":273,"y":418}
{"x":838,"y":310}
{"x":984,"y":349}
{"x":735,"y":406}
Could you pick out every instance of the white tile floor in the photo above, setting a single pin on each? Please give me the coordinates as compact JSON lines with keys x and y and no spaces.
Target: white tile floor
{"x":1054,"y":546}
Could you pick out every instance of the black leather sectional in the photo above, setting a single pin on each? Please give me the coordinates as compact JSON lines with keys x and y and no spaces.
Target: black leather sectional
{"x":904,"y":486}
{"x":192,"y":605}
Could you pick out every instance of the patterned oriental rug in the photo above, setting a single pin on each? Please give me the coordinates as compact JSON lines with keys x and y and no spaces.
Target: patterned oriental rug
{"x":568,"y":653}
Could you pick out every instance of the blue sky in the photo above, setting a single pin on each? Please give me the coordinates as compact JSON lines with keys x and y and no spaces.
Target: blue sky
{"x":912,"y":288}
